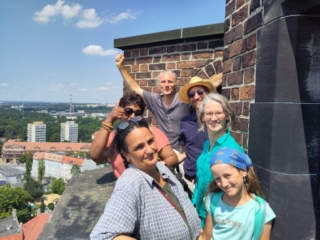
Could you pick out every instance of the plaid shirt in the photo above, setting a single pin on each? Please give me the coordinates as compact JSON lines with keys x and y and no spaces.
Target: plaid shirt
{"x":137,"y":208}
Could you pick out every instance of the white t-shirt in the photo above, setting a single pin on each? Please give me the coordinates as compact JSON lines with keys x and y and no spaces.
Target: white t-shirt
{"x":235,"y":222}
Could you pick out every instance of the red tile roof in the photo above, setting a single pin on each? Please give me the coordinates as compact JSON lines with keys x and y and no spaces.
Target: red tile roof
{"x":17,"y":236}
{"x":72,"y":160}
{"x":33,"y":228}
{"x":48,"y":146}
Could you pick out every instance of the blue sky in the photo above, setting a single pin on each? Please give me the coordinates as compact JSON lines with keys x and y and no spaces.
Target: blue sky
{"x":50,"y":49}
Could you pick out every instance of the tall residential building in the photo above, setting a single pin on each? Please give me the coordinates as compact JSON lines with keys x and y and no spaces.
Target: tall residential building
{"x":69,"y":131}
{"x":37,"y":132}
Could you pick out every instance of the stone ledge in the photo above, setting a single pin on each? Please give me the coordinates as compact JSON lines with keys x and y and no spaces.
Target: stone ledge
{"x":213,"y":30}
{"x":80,"y":206}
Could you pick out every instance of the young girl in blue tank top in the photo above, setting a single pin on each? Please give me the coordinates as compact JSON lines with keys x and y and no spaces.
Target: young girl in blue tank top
{"x":234,"y":204}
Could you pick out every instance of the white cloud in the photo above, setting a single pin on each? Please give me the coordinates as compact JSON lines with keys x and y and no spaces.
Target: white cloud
{"x":96,"y":50}
{"x":89,"y":19}
{"x":108,"y":83}
{"x":3,"y":84}
{"x":102,"y":89}
{"x":49,"y":11}
{"x":82,"y":89}
{"x":72,"y":84}
{"x":123,"y":16}
{"x":60,"y":85}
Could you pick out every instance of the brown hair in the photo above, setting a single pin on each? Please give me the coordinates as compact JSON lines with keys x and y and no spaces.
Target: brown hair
{"x":131,"y":98}
{"x":252,"y":184}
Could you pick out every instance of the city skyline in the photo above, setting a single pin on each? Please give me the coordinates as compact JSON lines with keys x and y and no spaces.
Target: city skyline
{"x":51,"y":49}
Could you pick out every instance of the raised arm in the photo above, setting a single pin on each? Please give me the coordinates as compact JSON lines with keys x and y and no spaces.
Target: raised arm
{"x":127,"y":77}
{"x":98,"y":147}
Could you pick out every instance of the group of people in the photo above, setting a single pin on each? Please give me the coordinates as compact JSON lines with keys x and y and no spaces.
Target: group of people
{"x":148,"y":201}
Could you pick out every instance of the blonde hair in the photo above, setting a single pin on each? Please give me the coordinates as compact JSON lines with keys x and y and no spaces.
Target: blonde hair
{"x":251,"y":184}
{"x":216,"y":97}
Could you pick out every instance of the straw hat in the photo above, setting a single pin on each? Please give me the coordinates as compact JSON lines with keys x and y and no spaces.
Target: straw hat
{"x":195,"y":81}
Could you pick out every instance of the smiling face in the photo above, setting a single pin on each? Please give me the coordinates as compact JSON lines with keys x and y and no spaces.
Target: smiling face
{"x":142,"y":150}
{"x":229,"y":179}
{"x":167,"y":83}
{"x":215,"y":118}
{"x":128,"y":116}
{"x":196,"y":101}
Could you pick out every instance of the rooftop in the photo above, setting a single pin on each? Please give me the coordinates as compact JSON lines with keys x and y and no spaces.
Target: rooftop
{"x":32,"y":229}
{"x":9,"y":226}
{"x":47,"y":146}
{"x":9,"y":171}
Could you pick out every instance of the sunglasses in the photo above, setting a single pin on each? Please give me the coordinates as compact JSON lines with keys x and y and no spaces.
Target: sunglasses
{"x":129,"y":111}
{"x":126,"y":124}
{"x":191,"y":94}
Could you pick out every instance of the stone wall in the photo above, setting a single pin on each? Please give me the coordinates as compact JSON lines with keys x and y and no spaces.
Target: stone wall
{"x":271,"y":75}
{"x":243,"y":19}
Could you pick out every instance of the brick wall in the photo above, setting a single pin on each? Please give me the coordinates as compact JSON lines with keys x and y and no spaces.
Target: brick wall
{"x":201,"y":58}
{"x":243,"y":19}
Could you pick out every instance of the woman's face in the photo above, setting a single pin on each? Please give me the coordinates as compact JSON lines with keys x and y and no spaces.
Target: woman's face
{"x":142,"y":149}
{"x":214,"y":117}
{"x":229,"y":179}
{"x":131,"y":111}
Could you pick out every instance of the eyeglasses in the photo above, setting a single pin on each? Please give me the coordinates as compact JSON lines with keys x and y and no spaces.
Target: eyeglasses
{"x":129,"y":111}
{"x":191,"y":94}
{"x":125,"y":124}
{"x":210,"y":114}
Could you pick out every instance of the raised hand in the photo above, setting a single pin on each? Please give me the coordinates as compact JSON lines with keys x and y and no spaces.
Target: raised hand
{"x":116,"y":113}
{"x":119,"y":60}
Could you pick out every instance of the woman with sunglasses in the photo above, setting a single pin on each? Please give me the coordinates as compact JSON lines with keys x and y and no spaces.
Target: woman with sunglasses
{"x":130,"y":105}
{"x":148,"y":202}
{"x":216,"y":115}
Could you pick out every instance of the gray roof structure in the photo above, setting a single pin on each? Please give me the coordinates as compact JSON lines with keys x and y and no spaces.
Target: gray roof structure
{"x":9,"y":226}
{"x":80,"y":206}
{"x":9,"y":171}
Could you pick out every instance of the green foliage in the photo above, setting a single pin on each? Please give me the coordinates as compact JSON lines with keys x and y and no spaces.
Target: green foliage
{"x":75,"y":169}
{"x":13,"y":123}
{"x":57,"y":185}
{"x":33,"y":187}
{"x":41,"y":170}
{"x":14,"y":198}
{"x":42,"y":206}
{"x":47,"y":193}
{"x":25,"y":156}
{"x":51,"y":206}
{"x":27,"y":173}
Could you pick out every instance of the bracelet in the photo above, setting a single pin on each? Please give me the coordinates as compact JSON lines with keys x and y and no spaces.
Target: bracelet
{"x":106,"y":128}
{"x":107,"y":125}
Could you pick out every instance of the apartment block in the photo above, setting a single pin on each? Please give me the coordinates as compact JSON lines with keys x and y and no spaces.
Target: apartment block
{"x":37,"y":132}
{"x":69,"y":131}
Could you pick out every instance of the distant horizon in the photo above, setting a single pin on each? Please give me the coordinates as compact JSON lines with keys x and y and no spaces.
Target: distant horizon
{"x":19,"y":101}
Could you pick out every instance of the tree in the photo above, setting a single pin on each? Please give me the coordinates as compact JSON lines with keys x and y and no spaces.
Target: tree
{"x":57,"y":185}
{"x":24,"y":157}
{"x":41,"y":170}
{"x":51,"y":206}
{"x":27,"y":174}
{"x":75,"y":169}
{"x":42,"y":206}
{"x":33,"y":187}
{"x":55,"y":137}
{"x":14,"y":198}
